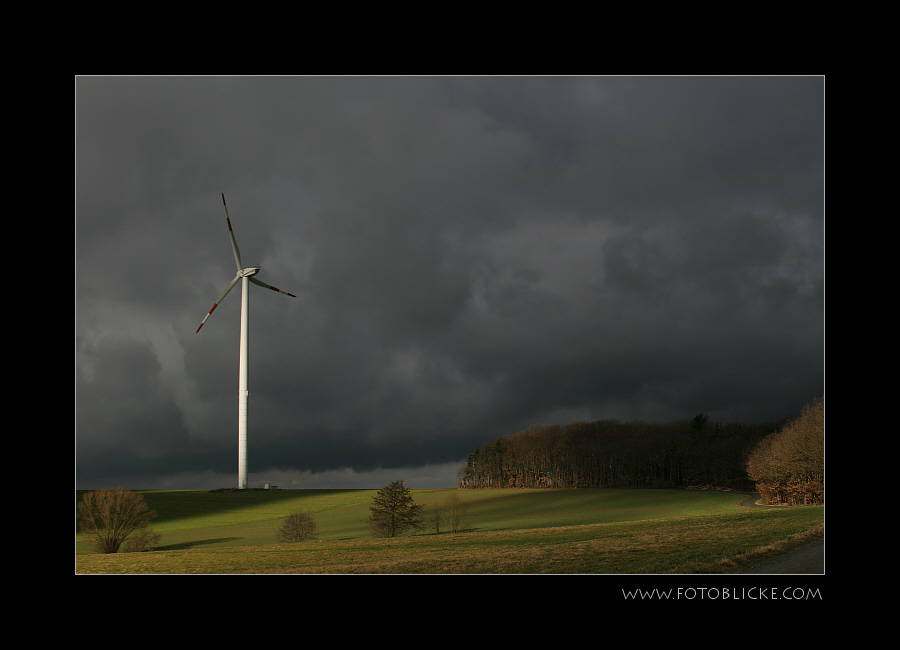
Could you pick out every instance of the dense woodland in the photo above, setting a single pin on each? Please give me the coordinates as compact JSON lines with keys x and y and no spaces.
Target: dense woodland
{"x":788,"y":467}
{"x":609,"y":453}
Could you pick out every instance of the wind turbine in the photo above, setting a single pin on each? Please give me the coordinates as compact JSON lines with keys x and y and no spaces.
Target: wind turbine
{"x":245,"y":275}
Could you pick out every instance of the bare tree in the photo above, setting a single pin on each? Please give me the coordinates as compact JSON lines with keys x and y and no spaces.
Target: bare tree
{"x":298,"y":527}
{"x":394,"y":512}
{"x":112,"y":516}
{"x":435,"y":519}
{"x":456,"y":513}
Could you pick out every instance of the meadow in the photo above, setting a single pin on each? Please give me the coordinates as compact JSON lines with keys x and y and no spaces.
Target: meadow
{"x":604,"y":531}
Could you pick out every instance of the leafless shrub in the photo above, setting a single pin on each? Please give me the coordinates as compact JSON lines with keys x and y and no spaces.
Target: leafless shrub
{"x":112,"y":516}
{"x":142,"y":540}
{"x":298,"y":527}
{"x":435,"y":519}
{"x":456,"y":513}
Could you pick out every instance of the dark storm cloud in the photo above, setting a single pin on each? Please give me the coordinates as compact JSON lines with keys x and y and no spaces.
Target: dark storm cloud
{"x":470,"y":256}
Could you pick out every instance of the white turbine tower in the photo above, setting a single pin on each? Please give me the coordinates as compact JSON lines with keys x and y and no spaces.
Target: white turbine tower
{"x":245,"y":275}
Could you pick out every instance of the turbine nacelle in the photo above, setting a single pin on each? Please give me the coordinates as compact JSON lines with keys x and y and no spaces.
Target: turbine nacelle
{"x":242,"y":272}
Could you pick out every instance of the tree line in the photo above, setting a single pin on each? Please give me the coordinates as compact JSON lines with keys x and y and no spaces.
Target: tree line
{"x":788,"y":467}
{"x":608,"y":453}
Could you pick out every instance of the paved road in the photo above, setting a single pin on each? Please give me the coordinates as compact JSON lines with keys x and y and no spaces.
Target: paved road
{"x":806,"y":559}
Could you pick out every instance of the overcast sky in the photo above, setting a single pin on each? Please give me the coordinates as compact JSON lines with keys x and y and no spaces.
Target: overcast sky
{"x":470,"y":255}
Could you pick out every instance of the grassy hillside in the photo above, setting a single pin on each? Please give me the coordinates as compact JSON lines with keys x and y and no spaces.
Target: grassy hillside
{"x":517,"y":531}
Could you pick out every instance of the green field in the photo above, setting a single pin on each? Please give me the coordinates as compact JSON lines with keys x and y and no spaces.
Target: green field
{"x":509,"y":531}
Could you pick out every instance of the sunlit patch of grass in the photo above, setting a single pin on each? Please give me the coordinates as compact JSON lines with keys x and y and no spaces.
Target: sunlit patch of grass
{"x":682,"y":545}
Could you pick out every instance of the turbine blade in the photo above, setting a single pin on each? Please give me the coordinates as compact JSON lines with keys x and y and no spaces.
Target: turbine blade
{"x":269,"y":286}
{"x":234,"y":246}
{"x":219,"y":300}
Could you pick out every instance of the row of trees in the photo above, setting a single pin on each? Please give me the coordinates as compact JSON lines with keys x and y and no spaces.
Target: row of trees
{"x":788,"y":467}
{"x":609,"y":453}
{"x":784,"y":461}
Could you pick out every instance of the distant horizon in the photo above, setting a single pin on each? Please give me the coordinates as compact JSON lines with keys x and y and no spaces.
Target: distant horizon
{"x":386,"y":475}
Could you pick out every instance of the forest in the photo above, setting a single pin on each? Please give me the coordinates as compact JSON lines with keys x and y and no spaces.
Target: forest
{"x":687,"y":453}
